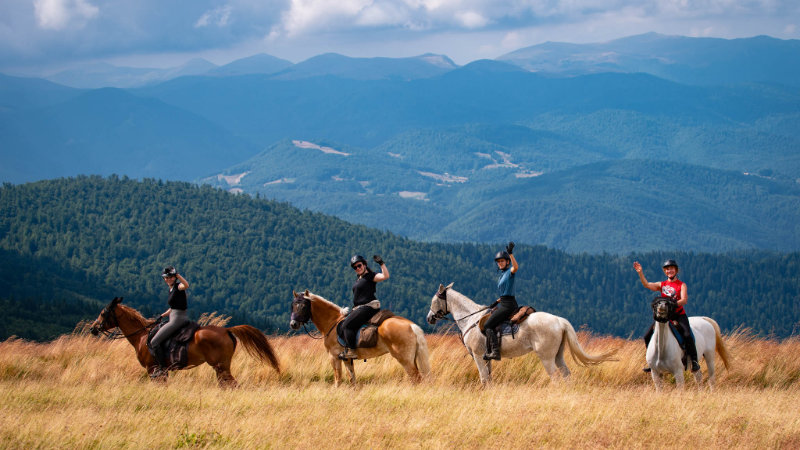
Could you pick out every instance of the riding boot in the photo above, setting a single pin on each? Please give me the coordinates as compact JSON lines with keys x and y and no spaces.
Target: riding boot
{"x":691,"y":349}
{"x":492,"y":346}
{"x":348,"y":353}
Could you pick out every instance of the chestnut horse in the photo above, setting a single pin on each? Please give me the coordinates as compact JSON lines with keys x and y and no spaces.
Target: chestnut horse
{"x":212,"y":344}
{"x":400,"y":337}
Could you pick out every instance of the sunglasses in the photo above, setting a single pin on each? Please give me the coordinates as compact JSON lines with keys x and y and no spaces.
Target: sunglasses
{"x":358,"y":266}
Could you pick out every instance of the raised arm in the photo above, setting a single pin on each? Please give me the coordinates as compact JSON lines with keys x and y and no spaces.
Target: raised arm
{"x":653,"y":286}
{"x":383,"y":275}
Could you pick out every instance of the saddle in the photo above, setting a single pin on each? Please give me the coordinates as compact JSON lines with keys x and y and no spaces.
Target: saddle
{"x":368,"y":333}
{"x":510,"y":326}
{"x":177,"y":346}
{"x":675,"y":327}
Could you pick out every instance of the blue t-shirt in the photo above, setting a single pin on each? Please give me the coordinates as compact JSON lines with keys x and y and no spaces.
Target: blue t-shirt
{"x":505,"y":284}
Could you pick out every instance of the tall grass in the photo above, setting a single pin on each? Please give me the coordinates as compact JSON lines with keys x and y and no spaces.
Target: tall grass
{"x":83,"y":392}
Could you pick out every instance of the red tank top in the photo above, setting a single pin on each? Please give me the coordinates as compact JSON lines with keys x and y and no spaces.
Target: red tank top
{"x":673,"y":289}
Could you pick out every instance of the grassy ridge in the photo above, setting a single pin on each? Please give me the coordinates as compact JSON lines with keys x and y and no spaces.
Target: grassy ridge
{"x":79,"y":391}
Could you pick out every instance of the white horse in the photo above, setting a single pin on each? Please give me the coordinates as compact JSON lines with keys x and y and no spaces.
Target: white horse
{"x":664,"y":353}
{"x":540,"y":332}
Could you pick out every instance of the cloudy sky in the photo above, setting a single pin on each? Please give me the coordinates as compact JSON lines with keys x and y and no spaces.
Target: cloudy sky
{"x":41,"y":36}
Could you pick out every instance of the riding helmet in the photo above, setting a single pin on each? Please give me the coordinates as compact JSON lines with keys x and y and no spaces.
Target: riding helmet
{"x":669,"y":262}
{"x":169,"y":271}
{"x":502,"y":254}
{"x":357,"y":259}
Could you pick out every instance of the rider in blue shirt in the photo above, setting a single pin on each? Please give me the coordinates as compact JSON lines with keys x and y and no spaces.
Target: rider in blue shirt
{"x":506,"y":303}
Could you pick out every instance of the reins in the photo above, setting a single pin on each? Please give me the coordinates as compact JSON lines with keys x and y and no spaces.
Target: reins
{"x":117,"y":335}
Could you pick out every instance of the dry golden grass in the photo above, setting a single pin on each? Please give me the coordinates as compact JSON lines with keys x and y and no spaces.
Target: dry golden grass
{"x":84,"y":392}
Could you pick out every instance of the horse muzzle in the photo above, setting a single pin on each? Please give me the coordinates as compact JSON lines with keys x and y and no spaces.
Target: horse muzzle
{"x":432,"y":317}
{"x":293,"y":324}
{"x":95,"y":331}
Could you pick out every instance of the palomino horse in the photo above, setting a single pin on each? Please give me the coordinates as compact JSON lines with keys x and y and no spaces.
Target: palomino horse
{"x":400,"y":337}
{"x":212,"y":344}
{"x":664,"y":353}
{"x":540,"y":332}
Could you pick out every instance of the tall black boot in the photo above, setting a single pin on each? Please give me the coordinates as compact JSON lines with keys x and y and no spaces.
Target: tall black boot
{"x":492,"y":346}
{"x":691,"y":349}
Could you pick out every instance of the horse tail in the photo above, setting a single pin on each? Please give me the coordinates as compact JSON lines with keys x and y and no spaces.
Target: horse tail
{"x":256,"y":344}
{"x":721,"y":349}
{"x":421,"y":356}
{"x":578,"y":354}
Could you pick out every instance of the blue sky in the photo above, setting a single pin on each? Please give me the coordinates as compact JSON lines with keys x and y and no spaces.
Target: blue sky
{"x":42,"y":36}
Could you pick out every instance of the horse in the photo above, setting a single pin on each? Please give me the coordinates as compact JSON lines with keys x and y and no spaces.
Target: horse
{"x":664,"y":353}
{"x":211,"y":344}
{"x":400,"y":337}
{"x":541,"y":332}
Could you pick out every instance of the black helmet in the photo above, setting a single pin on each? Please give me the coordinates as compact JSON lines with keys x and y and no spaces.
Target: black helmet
{"x":502,"y":254}
{"x":169,"y":271}
{"x":357,"y":259}
{"x":669,"y":262}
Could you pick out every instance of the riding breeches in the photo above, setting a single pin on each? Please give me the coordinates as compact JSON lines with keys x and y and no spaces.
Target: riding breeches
{"x":505,"y":309}
{"x":177,"y":318}
{"x":357,"y":317}
{"x":685,"y":330}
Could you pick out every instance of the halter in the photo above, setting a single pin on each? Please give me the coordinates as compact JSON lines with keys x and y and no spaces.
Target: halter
{"x":670,"y":303}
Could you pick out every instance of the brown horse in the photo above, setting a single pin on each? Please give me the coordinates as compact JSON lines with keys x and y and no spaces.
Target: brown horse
{"x":212,"y":344}
{"x":400,"y":337}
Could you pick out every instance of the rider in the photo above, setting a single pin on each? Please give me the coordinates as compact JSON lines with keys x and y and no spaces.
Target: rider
{"x":507,"y":265}
{"x":674,"y":288}
{"x":176,"y":312}
{"x":365,"y":304}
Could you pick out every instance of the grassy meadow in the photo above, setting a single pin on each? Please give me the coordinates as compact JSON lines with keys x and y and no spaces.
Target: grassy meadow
{"x":85,"y":392}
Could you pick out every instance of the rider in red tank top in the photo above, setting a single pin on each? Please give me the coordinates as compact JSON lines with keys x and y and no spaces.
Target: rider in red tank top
{"x":672,"y":288}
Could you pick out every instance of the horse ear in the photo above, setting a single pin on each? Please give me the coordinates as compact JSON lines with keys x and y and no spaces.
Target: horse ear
{"x":450,"y":285}
{"x":306,"y":293}
{"x":116,"y":301}
{"x":441,"y":288}
{"x":294,"y":294}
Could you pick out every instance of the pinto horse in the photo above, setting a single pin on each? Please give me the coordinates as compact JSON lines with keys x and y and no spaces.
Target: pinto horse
{"x":212,"y":344}
{"x":541,"y":332}
{"x":664,"y":353}
{"x":400,"y":337}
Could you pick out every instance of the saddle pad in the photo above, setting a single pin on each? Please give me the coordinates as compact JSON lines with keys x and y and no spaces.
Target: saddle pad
{"x":363,"y":340}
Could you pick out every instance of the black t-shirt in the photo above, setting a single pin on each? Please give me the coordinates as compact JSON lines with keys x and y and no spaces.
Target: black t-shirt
{"x":177,"y":298}
{"x":364,"y":289}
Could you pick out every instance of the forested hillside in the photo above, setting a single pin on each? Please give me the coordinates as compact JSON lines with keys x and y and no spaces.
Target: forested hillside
{"x":69,"y":245}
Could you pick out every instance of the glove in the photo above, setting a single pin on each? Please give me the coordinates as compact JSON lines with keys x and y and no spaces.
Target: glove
{"x":377,"y":259}
{"x":510,"y":247}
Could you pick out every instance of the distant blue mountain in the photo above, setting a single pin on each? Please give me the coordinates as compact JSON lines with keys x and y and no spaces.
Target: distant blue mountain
{"x":256,"y":64}
{"x":101,"y":75}
{"x":423,"y":66}
{"x":704,"y":61}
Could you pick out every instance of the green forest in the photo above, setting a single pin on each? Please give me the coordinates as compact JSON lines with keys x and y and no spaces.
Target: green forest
{"x":68,"y":246}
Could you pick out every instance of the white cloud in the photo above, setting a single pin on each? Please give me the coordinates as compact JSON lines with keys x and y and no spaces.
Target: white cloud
{"x":61,"y":14}
{"x":219,"y":17}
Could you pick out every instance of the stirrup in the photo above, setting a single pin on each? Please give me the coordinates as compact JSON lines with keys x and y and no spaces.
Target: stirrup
{"x":348,"y":353}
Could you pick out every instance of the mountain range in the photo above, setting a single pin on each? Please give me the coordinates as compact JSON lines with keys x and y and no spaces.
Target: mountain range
{"x":647,"y":142}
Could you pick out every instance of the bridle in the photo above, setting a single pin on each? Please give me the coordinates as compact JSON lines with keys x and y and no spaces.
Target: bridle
{"x":440,"y":314}
{"x":109,"y":312}
{"x":669,"y":303}
{"x":306,"y":303}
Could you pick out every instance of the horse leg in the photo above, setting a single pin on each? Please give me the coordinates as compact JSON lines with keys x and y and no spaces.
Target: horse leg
{"x":658,"y":381}
{"x":679,"y":381}
{"x":225,"y":378}
{"x":349,"y":364}
{"x":560,"y":363}
{"x":484,"y":368}
{"x":406,"y":356}
{"x":712,"y":370}
{"x":337,"y":370}
{"x":550,"y":367}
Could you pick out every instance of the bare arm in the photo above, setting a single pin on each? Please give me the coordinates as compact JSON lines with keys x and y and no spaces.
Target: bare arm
{"x":182,"y":283}
{"x":383,"y":275}
{"x":653,"y":286}
{"x":683,"y":299}
{"x":514,"y":265}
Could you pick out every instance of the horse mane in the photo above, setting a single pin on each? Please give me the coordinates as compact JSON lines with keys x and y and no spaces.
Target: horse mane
{"x":319,"y":298}
{"x":134,"y":314}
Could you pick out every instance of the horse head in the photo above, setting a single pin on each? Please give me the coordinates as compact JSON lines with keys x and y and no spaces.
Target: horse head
{"x":663,"y":308}
{"x":301,"y":310}
{"x":107,"y":319}
{"x":439,"y":304}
